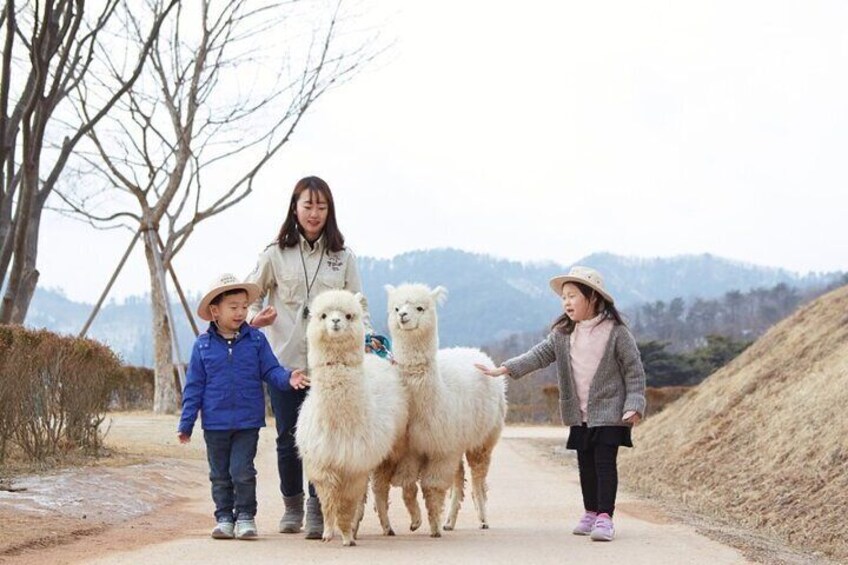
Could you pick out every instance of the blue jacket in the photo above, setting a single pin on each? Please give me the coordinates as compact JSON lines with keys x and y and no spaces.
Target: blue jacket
{"x":224,"y":383}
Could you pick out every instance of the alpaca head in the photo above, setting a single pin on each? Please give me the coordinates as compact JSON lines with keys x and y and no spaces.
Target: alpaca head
{"x":412,"y":308}
{"x":335,"y":332}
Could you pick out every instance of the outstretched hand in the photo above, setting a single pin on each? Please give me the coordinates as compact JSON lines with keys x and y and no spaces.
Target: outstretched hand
{"x":492,"y":372}
{"x":265,"y":317}
{"x":299,"y":379}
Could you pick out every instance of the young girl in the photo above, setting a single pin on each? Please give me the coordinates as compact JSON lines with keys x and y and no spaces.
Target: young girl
{"x":601,"y":388}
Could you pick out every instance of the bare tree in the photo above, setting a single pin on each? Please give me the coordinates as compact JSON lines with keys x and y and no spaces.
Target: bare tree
{"x":228,"y":83}
{"x":48,"y":50}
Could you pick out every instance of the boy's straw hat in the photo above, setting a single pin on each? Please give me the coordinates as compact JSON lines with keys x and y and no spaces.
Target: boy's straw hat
{"x":221,"y":284}
{"x":585,"y":275}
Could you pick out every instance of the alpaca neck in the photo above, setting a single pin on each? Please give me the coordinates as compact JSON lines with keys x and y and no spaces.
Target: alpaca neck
{"x":413,"y":348}
{"x":338,"y":384}
{"x":346,"y":353}
{"x":415,"y":354}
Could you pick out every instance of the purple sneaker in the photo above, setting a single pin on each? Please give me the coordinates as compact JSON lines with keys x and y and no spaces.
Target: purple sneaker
{"x":603,"y":530}
{"x":585,"y":525}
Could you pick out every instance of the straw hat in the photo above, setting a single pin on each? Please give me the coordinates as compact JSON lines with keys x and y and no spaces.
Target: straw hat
{"x":221,"y":284}
{"x":585,"y":275}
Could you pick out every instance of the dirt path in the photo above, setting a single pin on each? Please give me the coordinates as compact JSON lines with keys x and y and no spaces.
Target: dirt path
{"x":533,"y":502}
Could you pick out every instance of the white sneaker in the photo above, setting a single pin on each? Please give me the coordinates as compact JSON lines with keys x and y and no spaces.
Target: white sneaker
{"x":223,"y":530}
{"x":246,"y":529}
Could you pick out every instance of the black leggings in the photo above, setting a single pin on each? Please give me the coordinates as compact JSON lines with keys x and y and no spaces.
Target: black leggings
{"x":598,"y":477}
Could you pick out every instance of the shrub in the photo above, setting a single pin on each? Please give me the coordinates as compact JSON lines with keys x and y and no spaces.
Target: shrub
{"x":131,"y":389}
{"x":54,"y":391}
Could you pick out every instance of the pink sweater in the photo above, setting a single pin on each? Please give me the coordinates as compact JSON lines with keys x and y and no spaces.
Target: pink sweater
{"x":588,"y":343}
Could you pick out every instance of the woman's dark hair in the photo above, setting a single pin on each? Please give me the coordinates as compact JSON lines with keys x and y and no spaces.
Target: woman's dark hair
{"x":288,"y":236}
{"x":607,"y":308}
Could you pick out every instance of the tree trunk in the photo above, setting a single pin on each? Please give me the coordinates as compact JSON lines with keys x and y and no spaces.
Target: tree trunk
{"x":20,"y":306}
{"x":165,"y":393}
{"x":24,"y":248}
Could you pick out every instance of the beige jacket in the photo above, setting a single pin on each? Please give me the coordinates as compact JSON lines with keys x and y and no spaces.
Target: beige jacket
{"x":280,"y":275}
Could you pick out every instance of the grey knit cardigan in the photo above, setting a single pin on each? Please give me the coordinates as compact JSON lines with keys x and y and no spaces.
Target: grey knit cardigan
{"x":618,"y":384}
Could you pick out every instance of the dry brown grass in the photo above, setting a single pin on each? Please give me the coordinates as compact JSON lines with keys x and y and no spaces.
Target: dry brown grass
{"x":765,"y":439}
{"x":659,"y":398}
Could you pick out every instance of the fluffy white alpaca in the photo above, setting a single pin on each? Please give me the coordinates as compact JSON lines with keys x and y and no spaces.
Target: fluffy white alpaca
{"x":354,"y":415}
{"x":453,"y":409}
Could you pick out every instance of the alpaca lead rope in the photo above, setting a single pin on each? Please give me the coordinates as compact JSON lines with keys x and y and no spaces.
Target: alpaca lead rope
{"x":309,"y":285}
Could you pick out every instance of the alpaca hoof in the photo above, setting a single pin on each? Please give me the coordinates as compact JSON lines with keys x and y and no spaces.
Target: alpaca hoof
{"x":484,"y":526}
{"x":436,"y":535}
{"x":350,"y":543}
{"x":448,"y":527}
{"x":390,"y":532}
{"x":414,"y":526}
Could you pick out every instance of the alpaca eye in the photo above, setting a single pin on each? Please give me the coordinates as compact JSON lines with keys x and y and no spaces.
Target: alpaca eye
{"x":397,"y":309}
{"x":420,"y":308}
{"x":323,"y":316}
{"x":348,"y":316}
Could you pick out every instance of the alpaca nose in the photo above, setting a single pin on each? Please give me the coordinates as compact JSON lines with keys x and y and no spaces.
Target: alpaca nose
{"x":403,"y":316}
{"x":336,"y":322}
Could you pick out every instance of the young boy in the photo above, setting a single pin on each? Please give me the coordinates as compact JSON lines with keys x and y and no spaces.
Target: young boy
{"x":224,"y":382}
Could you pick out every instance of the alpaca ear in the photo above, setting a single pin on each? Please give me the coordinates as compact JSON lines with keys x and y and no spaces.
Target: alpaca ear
{"x":439,"y":295}
{"x":389,"y":288}
{"x":360,"y":298}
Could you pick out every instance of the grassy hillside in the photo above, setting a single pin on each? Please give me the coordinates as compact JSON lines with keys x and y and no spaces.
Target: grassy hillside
{"x":763,"y":441}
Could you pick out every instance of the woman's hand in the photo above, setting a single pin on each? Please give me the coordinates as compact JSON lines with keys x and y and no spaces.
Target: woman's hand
{"x":299,"y":380}
{"x":632,"y":417}
{"x":265,"y":317}
{"x":184,"y":437}
{"x":495,"y":372}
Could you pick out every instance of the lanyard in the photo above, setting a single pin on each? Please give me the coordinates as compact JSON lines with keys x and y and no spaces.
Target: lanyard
{"x":309,"y":285}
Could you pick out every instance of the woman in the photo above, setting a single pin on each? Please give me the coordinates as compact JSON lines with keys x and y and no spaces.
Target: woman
{"x":308,"y":257}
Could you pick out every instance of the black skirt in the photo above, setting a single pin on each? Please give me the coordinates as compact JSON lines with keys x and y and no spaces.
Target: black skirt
{"x":583,"y":437}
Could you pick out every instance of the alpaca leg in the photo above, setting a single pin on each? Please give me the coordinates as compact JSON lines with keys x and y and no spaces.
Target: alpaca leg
{"x":406,"y":476}
{"x":435,"y":481}
{"x":434,"y":500}
{"x":406,"y":471}
{"x":360,"y":513}
{"x":478,"y":462}
{"x":380,"y":487}
{"x":329,"y":508}
{"x":457,"y":496}
{"x":410,"y":500}
{"x":349,"y":500}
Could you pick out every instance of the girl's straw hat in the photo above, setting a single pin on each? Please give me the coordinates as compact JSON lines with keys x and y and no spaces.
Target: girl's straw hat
{"x":585,"y":275}
{"x":221,"y":284}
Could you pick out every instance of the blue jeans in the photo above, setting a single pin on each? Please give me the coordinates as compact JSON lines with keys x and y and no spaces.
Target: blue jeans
{"x":231,"y":470}
{"x":286,"y":406}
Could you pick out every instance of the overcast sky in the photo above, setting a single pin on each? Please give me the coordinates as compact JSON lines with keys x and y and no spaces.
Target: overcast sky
{"x":551,"y":130}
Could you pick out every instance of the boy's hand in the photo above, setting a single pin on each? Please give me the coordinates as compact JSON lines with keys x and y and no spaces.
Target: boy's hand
{"x":632,"y":417}
{"x":299,"y":380}
{"x":184,"y":437}
{"x":265,"y":317}
{"x":495,"y":372}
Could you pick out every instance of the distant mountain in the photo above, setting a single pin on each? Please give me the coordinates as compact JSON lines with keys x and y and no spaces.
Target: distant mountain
{"x":124,"y":326}
{"x":489,"y":298}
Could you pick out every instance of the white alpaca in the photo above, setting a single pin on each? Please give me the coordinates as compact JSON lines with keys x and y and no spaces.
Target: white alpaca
{"x":453,"y":409}
{"x":354,"y":416}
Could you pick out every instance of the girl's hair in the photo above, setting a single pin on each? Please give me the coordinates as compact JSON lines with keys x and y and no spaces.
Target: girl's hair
{"x":288,"y":236}
{"x":566,"y":325}
{"x":217,"y":300}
